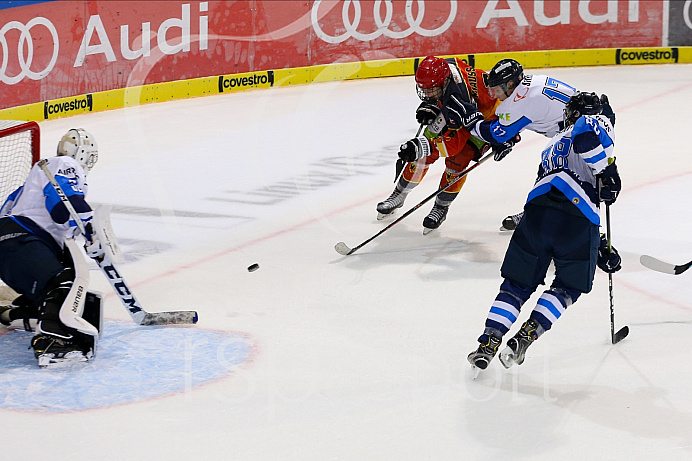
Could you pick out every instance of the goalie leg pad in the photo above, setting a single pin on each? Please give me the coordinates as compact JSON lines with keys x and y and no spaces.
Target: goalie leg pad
{"x":49,"y":315}
{"x":56,"y":343}
{"x":73,"y":306}
{"x":93,"y":310}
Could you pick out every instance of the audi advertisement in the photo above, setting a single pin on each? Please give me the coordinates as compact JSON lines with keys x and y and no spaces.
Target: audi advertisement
{"x":59,"y":50}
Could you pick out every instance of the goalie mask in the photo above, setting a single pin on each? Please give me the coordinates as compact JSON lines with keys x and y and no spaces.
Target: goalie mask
{"x":431,"y":78}
{"x":581,"y":104}
{"x":81,"y":146}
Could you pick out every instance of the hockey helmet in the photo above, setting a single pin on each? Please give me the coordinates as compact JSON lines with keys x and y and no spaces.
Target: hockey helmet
{"x":505,"y":71}
{"x":581,"y":103}
{"x":431,"y":77}
{"x":81,"y":146}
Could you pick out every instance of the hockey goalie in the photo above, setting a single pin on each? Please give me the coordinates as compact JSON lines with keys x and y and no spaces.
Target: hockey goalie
{"x":41,"y":260}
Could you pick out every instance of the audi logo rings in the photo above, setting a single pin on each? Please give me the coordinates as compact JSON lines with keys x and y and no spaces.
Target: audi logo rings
{"x":382,"y":24}
{"x":26,"y":61}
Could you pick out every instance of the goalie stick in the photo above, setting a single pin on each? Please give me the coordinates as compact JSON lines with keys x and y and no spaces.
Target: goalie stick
{"x":662,"y":266}
{"x":138,"y":314}
{"x":344,"y":250}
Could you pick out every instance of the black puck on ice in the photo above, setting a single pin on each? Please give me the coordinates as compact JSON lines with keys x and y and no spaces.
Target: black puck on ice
{"x":253,"y":267}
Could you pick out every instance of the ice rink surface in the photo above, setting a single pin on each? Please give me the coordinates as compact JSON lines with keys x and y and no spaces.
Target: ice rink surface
{"x":360,"y":357}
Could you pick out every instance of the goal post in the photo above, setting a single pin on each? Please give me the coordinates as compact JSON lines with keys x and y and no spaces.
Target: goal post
{"x":20,"y":148}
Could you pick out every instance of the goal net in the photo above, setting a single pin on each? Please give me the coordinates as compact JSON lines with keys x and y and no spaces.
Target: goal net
{"x":19,"y":150}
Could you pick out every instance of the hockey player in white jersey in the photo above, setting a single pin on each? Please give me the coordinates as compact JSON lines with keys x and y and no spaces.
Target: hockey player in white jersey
{"x":37,"y":256}
{"x":528,"y":102}
{"x":560,"y":225}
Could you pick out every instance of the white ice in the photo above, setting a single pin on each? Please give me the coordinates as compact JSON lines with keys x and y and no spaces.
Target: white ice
{"x":364,"y":357}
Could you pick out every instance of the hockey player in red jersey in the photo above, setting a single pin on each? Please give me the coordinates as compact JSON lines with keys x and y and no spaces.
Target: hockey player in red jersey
{"x":442,"y":85}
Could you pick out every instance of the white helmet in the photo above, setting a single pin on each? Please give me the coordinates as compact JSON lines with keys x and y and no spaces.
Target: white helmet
{"x":79,"y":144}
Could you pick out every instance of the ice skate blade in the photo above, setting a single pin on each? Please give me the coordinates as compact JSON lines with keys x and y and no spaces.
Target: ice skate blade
{"x":507,"y":358}
{"x":76,"y":358}
{"x":504,"y":229}
{"x":475,"y":372}
{"x":381,"y":216}
{"x":427,"y":230}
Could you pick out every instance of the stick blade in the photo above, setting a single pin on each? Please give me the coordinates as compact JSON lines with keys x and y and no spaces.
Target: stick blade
{"x":170,"y":318}
{"x":657,"y":265}
{"x":621,"y":334}
{"x":342,"y":249}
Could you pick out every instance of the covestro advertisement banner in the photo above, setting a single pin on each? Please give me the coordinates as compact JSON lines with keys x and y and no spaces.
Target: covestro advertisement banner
{"x":56,"y":50}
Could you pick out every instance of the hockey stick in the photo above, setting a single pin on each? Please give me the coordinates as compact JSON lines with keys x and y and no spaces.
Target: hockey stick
{"x":344,"y":250}
{"x":661,"y":266}
{"x":138,"y":314}
{"x":624,"y":331}
{"x":400,"y":163}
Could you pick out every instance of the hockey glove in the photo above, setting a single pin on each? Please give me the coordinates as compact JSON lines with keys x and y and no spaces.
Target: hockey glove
{"x":92,"y":245}
{"x":607,"y":110}
{"x":500,"y":151}
{"x":427,"y":113}
{"x":414,"y":149}
{"x":608,"y":261}
{"x":609,"y":184}
{"x":469,"y":114}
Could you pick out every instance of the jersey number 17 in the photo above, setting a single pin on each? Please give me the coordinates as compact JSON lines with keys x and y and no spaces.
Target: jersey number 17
{"x":555,"y":89}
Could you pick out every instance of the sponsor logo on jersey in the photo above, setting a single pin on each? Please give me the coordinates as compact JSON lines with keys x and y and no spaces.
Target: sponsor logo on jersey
{"x":505,"y":117}
{"x":67,"y":172}
{"x":639,"y":56}
{"x":245,"y":81}
{"x":524,"y":90}
{"x":62,"y":107}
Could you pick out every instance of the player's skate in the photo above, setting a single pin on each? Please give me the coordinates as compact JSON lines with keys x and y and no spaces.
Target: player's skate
{"x":481,"y":357}
{"x":511,"y":222}
{"x":21,"y":313}
{"x":394,"y":201}
{"x":515,"y":352}
{"x":435,"y":218}
{"x":5,"y":315}
{"x":53,"y":352}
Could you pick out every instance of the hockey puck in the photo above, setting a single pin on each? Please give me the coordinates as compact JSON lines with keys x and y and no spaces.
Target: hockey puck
{"x":253,"y":267}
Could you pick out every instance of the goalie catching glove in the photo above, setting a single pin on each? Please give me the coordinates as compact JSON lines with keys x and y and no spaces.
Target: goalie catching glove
{"x":414,"y":149}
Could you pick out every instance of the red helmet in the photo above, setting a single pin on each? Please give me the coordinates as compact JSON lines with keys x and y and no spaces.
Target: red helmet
{"x":432,"y":72}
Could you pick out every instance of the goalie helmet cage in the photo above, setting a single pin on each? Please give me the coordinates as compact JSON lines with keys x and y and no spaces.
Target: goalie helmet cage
{"x":19,"y":149}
